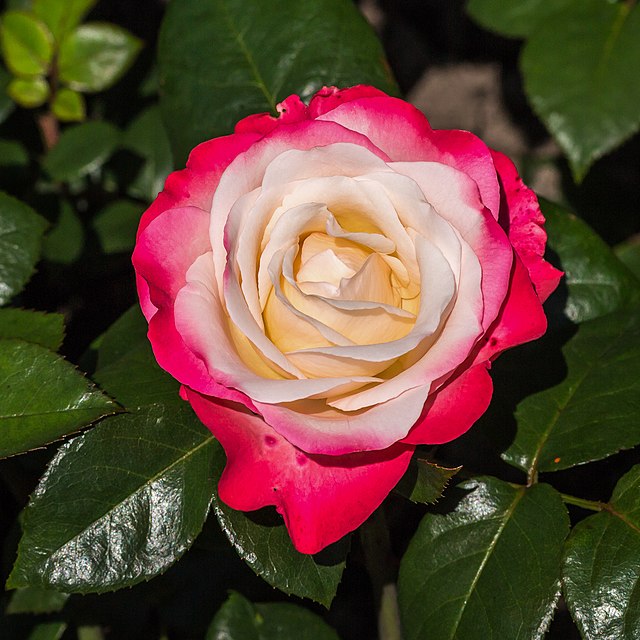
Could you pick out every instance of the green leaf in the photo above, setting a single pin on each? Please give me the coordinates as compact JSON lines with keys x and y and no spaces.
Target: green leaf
{"x":45,"y":329}
{"x":225,"y":59}
{"x":21,"y":230}
{"x":27,"y":45}
{"x":516,"y":18}
{"x":69,"y":106}
{"x":601,"y":569}
{"x":629,"y":253}
{"x":62,"y":16}
{"x":146,"y":136}
{"x":43,"y":397}
{"x":425,"y":481}
{"x":29,"y":92}
{"x":6,"y":103}
{"x":96,"y":55}
{"x":262,"y":541}
{"x":118,"y":504}
{"x":34,"y":600}
{"x":593,"y":412}
{"x":48,"y":631}
{"x":239,"y":619}
{"x":127,"y":369}
{"x":588,"y":102}
{"x":81,"y":149}
{"x":65,"y":242}
{"x":598,"y":281}
{"x":490,"y":569}
{"x":13,"y":153}
{"x":116,"y":226}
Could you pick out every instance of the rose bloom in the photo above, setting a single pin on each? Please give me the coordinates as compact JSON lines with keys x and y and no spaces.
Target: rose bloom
{"x":330,"y":287}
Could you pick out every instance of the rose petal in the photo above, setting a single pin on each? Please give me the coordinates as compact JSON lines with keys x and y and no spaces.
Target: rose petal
{"x":322,"y":498}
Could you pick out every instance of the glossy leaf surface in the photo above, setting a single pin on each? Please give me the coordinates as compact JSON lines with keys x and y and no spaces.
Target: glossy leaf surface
{"x":239,"y":619}
{"x":21,"y":230}
{"x":225,"y":59}
{"x":597,"y":281}
{"x":45,"y":329}
{"x":27,"y":45}
{"x":518,"y":18}
{"x":601,"y":568}
{"x":81,"y":149}
{"x":490,"y":569}
{"x":425,"y":481}
{"x":588,"y":102}
{"x":593,"y":412}
{"x":43,"y":397}
{"x":262,"y":541}
{"x":118,"y":504}
{"x":62,"y":16}
{"x":96,"y":55}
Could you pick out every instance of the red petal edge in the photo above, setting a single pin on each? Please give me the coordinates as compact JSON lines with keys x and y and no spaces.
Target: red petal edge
{"x":321,"y":498}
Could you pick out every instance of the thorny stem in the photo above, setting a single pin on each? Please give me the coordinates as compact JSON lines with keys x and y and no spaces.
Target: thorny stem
{"x":382,"y":568}
{"x":49,"y":129}
{"x":591,"y":505}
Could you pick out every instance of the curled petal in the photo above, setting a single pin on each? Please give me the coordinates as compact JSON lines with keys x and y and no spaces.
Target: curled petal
{"x":321,"y":498}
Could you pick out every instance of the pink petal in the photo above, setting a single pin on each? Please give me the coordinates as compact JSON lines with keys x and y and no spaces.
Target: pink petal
{"x":522,"y":219}
{"x":196,"y":184}
{"x":404,"y":134}
{"x":521,"y":319}
{"x":322,"y":498}
{"x":290,"y":110}
{"x":451,"y":411}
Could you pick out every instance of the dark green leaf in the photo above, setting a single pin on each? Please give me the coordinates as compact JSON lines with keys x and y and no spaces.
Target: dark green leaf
{"x":65,"y":242}
{"x":262,"y":541}
{"x":27,"y":45}
{"x":96,"y":55}
{"x":29,"y":92}
{"x":6,"y":103}
{"x":518,"y":18}
{"x":425,"y":481}
{"x":598,"y":281}
{"x":62,"y":16}
{"x":45,"y":329}
{"x":34,"y":600}
{"x":127,"y":369}
{"x":48,"y":631}
{"x":21,"y":231}
{"x":146,"y":137}
{"x":601,"y":568}
{"x":43,"y":397}
{"x":118,"y":504}
{"x":225,"y":59}
{"x":588,"y":102}
{"x":239,"y":619}
{"x":593,"y":412}
{"x":13,"y":153}
{"x":629,"y":253}
{"x":490,"y":569}
{"x":116,"y":225}
{"x":69,"y":106}
{"x":81,"y":149}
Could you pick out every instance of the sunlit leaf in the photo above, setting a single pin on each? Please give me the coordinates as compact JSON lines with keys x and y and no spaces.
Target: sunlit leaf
{"x":29,"y":92}
{"x":27,"y":45}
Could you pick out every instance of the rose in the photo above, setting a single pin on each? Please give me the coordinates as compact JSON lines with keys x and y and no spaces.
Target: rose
{"x":330,"y":287}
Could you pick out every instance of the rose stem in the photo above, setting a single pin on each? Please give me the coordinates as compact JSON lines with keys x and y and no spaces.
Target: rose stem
{"x":381,"y":565}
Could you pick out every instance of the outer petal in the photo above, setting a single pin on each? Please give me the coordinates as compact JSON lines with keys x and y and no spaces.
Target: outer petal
{"x":321,"y":498}
{"x":521,"y":319}
{"x":404,"y":134}
{"x":521,"y":217}
{"x":454,"y":408}
{"x":196,"y":184}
